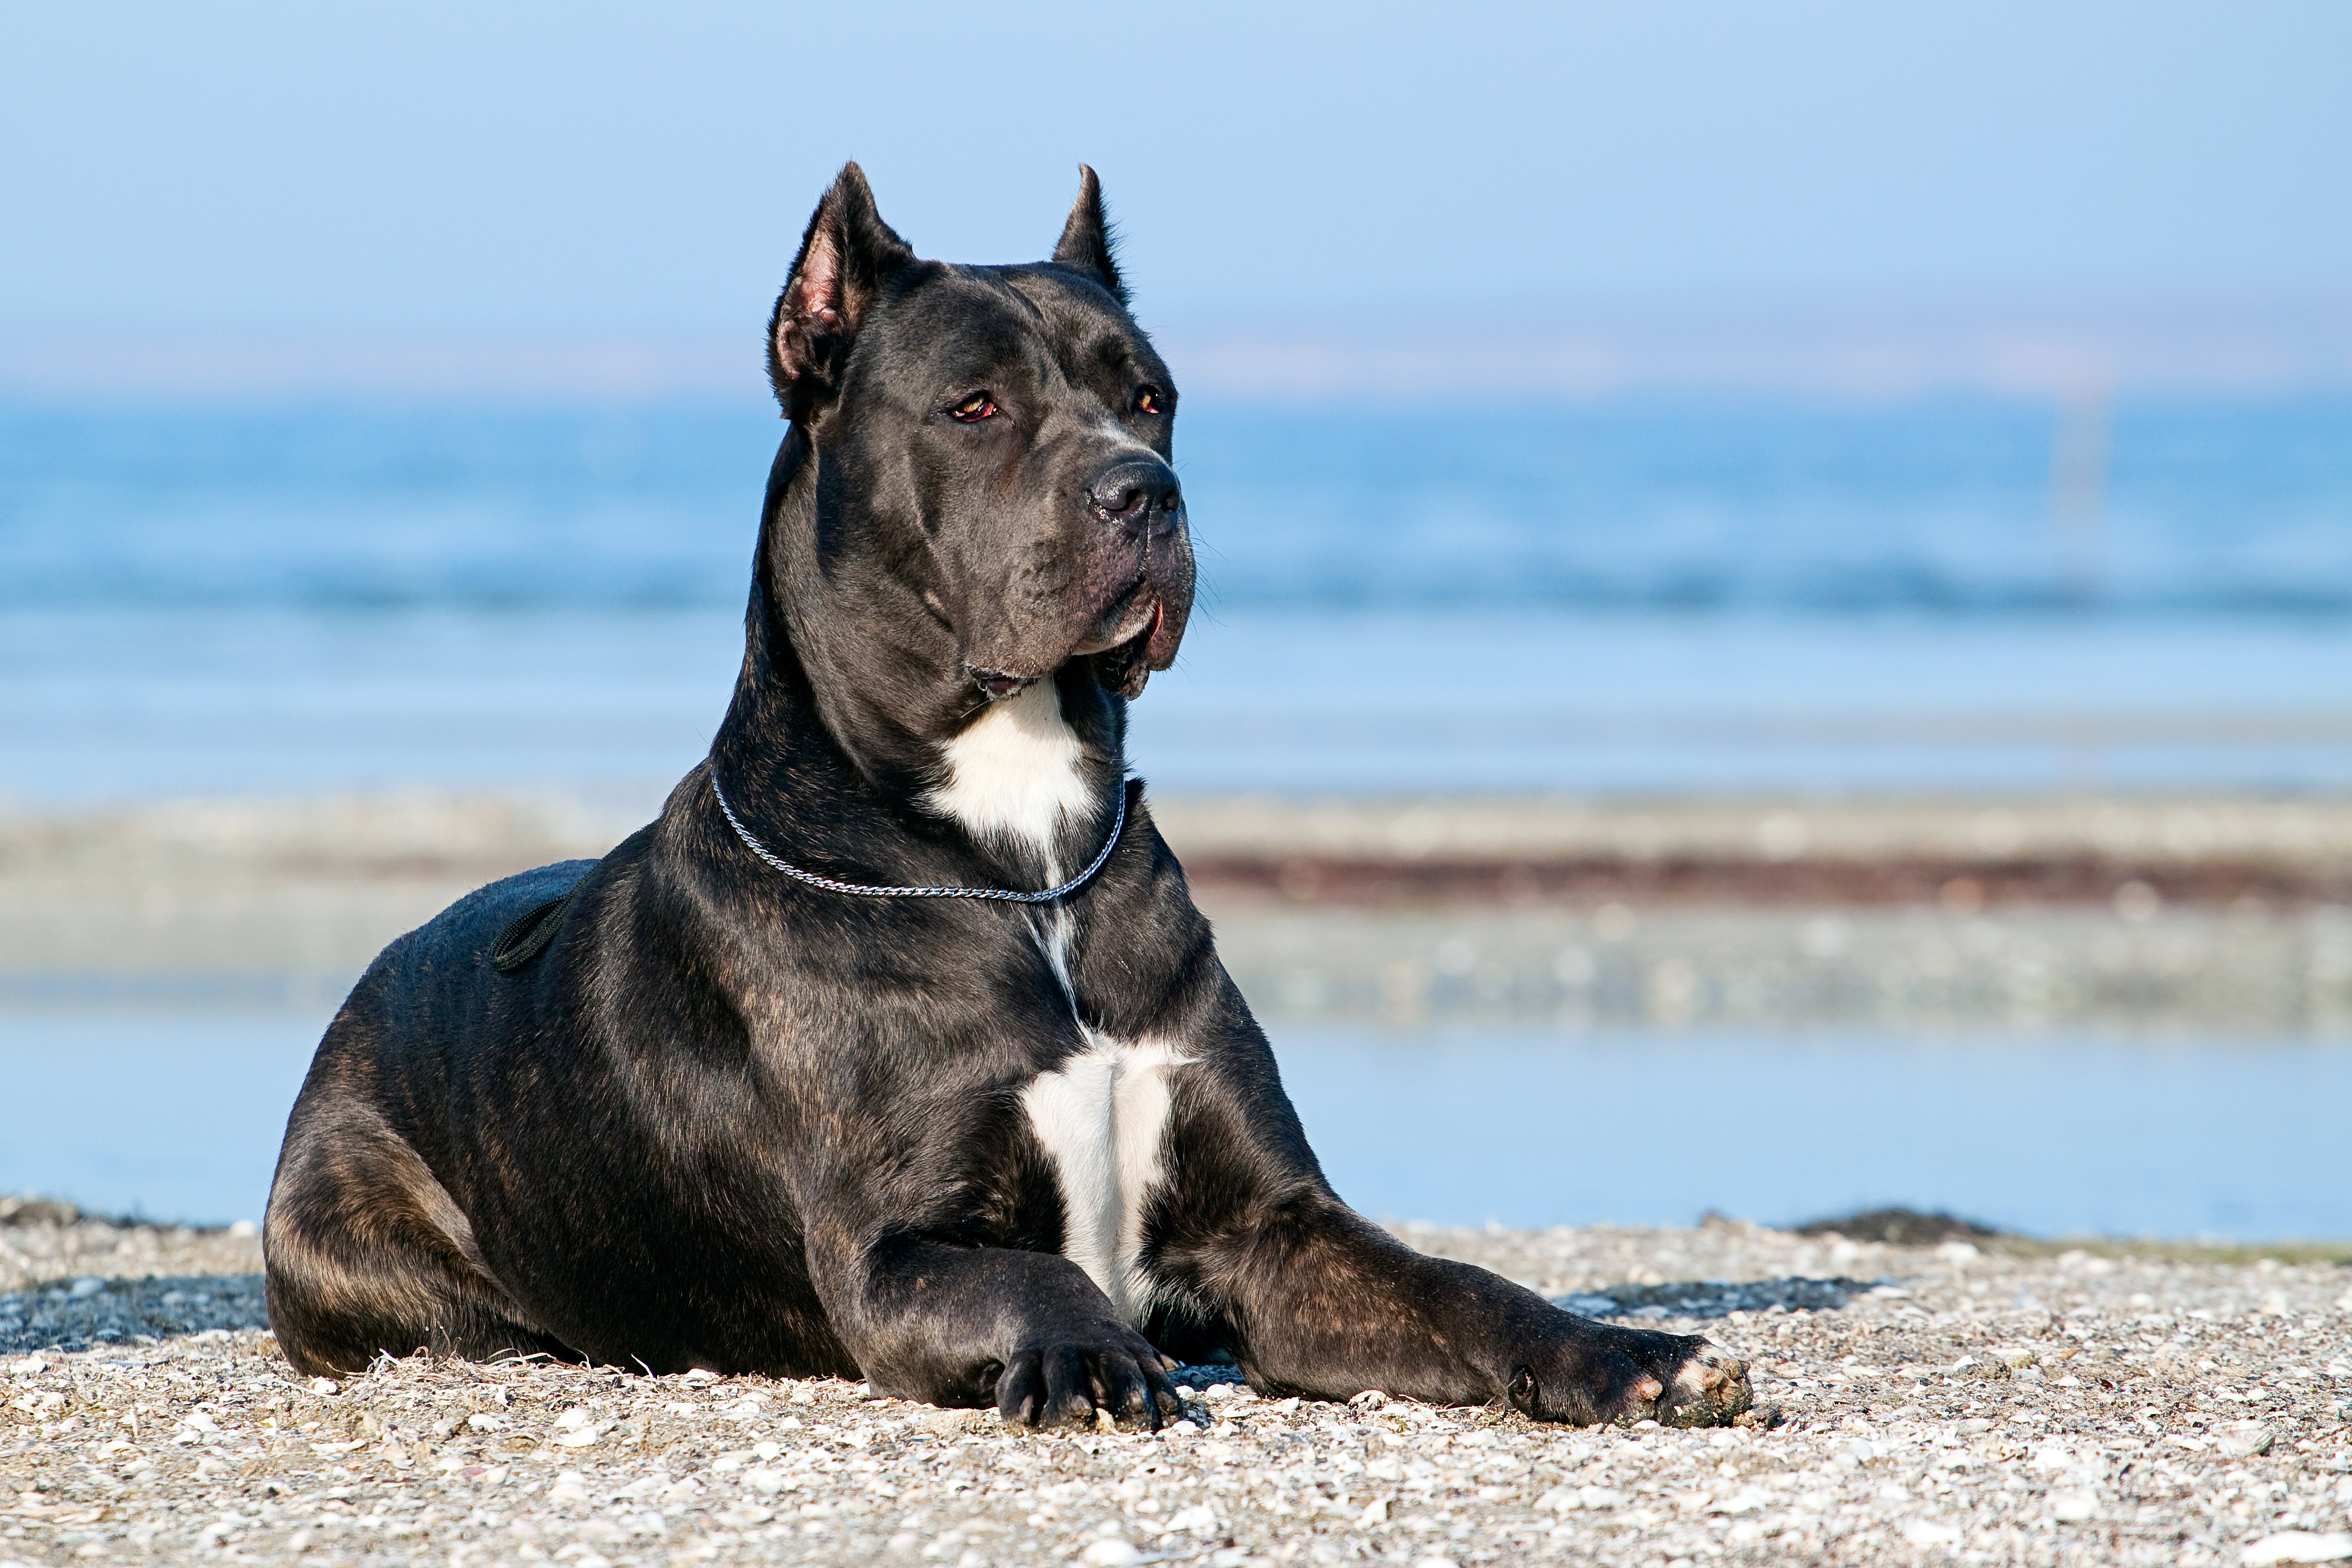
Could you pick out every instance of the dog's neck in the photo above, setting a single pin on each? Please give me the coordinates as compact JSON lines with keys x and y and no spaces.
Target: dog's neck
{"x":1016,"y":774}
{"x":851,"y":690}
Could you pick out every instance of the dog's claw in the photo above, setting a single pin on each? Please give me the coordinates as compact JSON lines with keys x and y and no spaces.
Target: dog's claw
{"x":1069,"y":1396}
{"x":1018,"y":1389}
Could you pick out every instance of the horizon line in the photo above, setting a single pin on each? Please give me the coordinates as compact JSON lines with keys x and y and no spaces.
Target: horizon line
{"x":1853,"y":354}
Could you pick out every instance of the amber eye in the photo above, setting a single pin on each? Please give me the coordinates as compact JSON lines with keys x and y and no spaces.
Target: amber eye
{"x":975,"y":408}
{"x":1148,"y":401}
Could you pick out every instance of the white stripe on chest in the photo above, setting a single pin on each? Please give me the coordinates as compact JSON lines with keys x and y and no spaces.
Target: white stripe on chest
{"x":1102,"y":1115}
{"x":1103,"y":1118}
{"x":1013,"y":773}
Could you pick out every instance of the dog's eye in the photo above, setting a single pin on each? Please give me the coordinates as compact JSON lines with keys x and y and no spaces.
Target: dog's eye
{"x":1148,"y":400}
{"x":975,"y":408}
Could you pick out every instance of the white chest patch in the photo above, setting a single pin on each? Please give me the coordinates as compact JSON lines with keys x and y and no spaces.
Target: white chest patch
{"x":1103,"y":1118}
{"x":1014,"y":774}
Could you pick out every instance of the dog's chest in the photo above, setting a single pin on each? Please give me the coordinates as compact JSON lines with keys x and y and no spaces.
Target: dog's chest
{"x":1102,"y":1117}
{"x":1102,"y":1114}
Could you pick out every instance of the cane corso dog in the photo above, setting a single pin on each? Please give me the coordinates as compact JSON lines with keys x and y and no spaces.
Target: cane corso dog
{"x":895,"y":1049}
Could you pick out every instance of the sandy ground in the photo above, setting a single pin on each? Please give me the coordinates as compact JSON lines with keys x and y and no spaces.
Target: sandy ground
{"x":1933,"y":1405}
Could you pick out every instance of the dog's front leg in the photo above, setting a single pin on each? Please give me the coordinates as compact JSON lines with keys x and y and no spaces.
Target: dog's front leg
{"x":1327,"y":1304}
{"x":1026,"y":1332}
{"x":1249,"y":1241}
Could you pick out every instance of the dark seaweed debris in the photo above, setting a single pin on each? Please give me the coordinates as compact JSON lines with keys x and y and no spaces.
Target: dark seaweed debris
{"x":1714,"y":1298}
{"x":1901,"y":1227}
{"x":70,"y":1315}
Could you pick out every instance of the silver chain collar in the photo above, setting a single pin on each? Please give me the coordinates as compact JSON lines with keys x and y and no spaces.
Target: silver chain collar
{"x":1118,"y":826}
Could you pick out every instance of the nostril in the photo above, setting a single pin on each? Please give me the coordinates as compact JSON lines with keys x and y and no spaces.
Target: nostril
{"x":1136,"y":493}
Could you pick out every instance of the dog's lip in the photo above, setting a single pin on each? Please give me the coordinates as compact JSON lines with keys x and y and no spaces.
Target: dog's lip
{"x":1159,"y":646}
{"x":1134,"y":610}
{"x":996,"y":684}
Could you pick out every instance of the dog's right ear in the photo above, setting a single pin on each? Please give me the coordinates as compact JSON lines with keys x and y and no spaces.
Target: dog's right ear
{"x":847,"y":255}
{"x":1085,"y":245}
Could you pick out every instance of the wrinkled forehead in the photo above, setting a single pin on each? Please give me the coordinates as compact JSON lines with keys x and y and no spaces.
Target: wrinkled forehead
{"x":973,"y":321}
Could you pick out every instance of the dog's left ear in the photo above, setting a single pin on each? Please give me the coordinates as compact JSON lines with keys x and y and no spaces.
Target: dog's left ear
{"x":845,"y":256}
{"x":1086,"y":239}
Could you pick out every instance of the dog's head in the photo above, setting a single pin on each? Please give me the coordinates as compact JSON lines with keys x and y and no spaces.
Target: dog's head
{"x":994,"y":444}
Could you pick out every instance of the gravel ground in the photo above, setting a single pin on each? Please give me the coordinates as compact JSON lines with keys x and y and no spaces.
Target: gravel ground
{"x":1931,"y":1405}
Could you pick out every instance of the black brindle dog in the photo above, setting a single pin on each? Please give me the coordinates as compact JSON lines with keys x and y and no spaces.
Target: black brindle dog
{"x":755,"y":1109}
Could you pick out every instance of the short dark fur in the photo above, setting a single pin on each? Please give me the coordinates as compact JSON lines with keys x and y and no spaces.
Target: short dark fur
{"x":729,"y":1120}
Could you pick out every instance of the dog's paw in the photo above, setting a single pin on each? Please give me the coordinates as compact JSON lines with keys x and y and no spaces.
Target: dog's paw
{"x":1624,"y":1375}
{"x":1067,"y":1385}
{"x":1687,"y":1382}
{"x":1709,"y":1388}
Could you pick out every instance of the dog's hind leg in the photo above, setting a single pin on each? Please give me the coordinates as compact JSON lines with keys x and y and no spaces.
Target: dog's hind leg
{"x":367,"y":1252}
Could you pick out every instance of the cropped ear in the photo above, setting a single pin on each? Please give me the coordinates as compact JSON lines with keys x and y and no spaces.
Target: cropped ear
{"x":1086,"y":238}
{"x":847,"y":255}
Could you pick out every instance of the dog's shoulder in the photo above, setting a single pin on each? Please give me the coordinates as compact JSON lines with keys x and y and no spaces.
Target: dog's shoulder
{"x":508,"y":897}
{"x":472,"y":924}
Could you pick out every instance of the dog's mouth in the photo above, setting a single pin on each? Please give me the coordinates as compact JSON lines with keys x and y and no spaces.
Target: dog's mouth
{"x":1125,"y":667}
{"x":1119,"y":643}
{"x":1134,"y":632}
{"x":1131,"y":615}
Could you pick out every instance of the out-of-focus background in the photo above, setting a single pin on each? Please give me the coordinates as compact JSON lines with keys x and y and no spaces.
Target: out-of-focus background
{"x":1776,"y":620}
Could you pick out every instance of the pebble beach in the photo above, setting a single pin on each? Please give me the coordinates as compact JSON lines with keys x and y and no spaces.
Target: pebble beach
{"x":1982,"y":1401}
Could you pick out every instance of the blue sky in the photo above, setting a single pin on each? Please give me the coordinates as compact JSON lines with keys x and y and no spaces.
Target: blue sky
{"x":274,"y":170}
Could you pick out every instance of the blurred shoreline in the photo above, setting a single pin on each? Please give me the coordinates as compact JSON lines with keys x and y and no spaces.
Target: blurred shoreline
{"x":1439,"y":976}
{"x":2211,"y":913}
{"x":1963,"y":853}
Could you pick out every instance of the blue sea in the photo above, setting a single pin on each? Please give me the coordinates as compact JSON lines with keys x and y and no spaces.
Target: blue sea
{"x":1615,"y":595}
{"x":2055,"y":1134}
{"x":1622,"y":595}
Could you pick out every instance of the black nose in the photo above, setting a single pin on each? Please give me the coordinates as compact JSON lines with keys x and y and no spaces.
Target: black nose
{"x":1139,"y":492}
